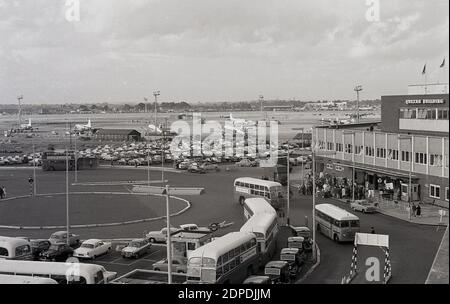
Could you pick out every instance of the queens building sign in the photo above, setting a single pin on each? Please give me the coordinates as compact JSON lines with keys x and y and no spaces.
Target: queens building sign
{"x":424,"y":101}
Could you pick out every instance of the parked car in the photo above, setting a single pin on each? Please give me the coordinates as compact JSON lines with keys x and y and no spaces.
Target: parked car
{"x":61,"y":237}
{"x":38,"y":246}
{"x":56,"y":252}
{"x":245,"y":162}
{"x":178,"y":265}
{"x":136,"y":248}
{"x":194,"y":168}
{"x":194,"y":227}
{"x":159,"y":236}
{"x":92,"y":248}
{"x":363,"y":206}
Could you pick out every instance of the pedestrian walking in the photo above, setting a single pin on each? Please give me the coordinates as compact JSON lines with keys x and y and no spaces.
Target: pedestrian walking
{"x":414,"y":209}
{"x":1,"y":193}
{"x":4,"y":191}
{"x":418,"y":211}
{"x":372,"y":230}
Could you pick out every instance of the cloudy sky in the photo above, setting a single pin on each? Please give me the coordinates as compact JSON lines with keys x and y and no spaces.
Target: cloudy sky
{"x":217,"y":50}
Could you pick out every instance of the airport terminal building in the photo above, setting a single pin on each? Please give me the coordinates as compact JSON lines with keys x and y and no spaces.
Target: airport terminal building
{"x":412,"y":138}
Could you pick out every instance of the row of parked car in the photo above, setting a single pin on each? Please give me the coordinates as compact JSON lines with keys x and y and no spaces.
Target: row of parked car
{"x":21,"y":159}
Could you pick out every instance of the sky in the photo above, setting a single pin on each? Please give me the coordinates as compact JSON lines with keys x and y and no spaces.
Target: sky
{"x":211,"y":50}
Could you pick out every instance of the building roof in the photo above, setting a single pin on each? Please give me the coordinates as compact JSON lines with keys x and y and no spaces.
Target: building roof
{"x":118,"y":132}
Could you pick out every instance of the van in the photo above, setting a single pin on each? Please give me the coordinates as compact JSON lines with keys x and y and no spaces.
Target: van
{"x":15,"y":249}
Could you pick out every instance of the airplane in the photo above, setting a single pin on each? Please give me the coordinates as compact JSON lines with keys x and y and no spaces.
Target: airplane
{"x":26,"y":126}
{"x":86,"y":127}
{"x":241,"y":123}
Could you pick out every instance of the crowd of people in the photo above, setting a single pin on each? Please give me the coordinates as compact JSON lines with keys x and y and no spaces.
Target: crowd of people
{"x":327,"y":186}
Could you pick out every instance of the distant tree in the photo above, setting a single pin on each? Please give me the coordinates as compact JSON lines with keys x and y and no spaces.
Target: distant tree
{"x":140,"y":107}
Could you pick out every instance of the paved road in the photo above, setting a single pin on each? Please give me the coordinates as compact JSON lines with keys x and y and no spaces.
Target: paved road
{"x":413,"y":247}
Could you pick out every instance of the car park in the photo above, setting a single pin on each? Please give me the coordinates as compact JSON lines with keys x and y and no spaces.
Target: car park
{"x":61,"y":237}
{"x":136,"y":248}
{"x":56,"y":252}
{"x":92,"y":248}
{"x":363,"y":206}
{"x":178,"y":265}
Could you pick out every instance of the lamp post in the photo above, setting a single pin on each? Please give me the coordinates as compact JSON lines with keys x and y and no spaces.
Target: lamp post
{"x":357,"y":89}
{"x":67,"y":195}
{"x":261,"y":100}
{"x":407,"y":137}
{"x":76,"y":159}
{"x":156,"y":94}
{"x":34,"y":170}
{"x":352,"y":133}
{"x":167,"y":192}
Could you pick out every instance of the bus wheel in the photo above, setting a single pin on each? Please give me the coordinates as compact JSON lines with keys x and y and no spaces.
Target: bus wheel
{"x":336,"y":238}
{"x":241,"y":200}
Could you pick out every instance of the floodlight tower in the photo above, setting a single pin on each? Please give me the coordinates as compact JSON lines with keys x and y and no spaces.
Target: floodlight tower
{"x":19,"y":99}
{"x":156,"y":94}
{"x":357,"y":89}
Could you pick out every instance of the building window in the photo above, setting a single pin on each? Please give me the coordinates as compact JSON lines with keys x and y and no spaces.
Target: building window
{"x":436,"y":160}
{"x":348,"y":148}
{"x":392,"y":154}
{"x":435,"y":191}
{"x":405,"y":156}
{"x":339,"y":147}
{"x":330,"y":146}
{"x":421,"y":158}
{"x":408,"y":113}
{"x":370,"y":151}
{"x":359,"y":150}
{"x":446,"y":193}
{"x":381,"y":152}
{"x":443,"y":114}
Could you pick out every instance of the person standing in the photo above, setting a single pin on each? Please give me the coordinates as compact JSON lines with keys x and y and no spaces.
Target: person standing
{"x":418,"y":210}
{"x":1,"y":193}
{"x":372,"y":230}
{"x":4,"y":191}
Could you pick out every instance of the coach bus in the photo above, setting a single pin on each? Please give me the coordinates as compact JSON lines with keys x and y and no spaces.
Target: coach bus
{"x":247,"y":187}
{"x":336,"y":223}
{"x":254,"y":206}
{"x":229,"y":259}
{"x":265,"y":228}
{"x":63,"y":273}
{"x":16,"y":279}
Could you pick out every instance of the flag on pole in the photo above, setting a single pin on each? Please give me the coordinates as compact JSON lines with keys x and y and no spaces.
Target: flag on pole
{"x":443,"y":63}
{"x":424,"y":71}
